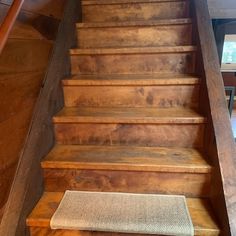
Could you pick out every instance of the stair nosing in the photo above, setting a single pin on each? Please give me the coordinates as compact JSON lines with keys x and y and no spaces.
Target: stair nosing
{"x":131,"y":50}
{"x":147,"y":152}
{"x":112,"y":120}
{"x":150,"y":23}
{"x":102,"y":2}
{"x":147,"y":80}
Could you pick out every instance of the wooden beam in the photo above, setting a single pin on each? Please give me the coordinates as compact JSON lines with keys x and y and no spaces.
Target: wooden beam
{"x":222,"y":137}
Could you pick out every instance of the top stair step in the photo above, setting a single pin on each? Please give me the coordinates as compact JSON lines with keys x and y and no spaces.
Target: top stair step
{"x":131,"y":10}
{"x":109,"y":2}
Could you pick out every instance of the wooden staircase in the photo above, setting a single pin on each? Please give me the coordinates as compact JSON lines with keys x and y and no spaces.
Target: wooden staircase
{"x":131,"y":121}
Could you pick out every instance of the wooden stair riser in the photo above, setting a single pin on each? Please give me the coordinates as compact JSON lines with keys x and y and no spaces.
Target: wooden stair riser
{"x":179,"y":135}
{"x":132,"y":96}
{"x":136,"y":36}
{"x":188,"y":184}
{"x":145,"y":63}
{"x":135,"y":11}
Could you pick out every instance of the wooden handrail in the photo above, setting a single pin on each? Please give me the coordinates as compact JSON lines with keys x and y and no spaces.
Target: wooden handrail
{"x":223,"y":137}
{"x":9,"y":21}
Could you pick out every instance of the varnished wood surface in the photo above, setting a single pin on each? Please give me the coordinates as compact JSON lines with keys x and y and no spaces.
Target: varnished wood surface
{"x":131,"y":35}
{"x":133,"y":50}
{"x":9,"y":21}
{"x":132,"y":96}
{"x":131,"y":79}
{"x":129,"y":115}
{"x":162,"y":22}
{"x":200,"y":210}
{"x":133,"y":61}
{"x":100,"y":11}
{"x":127,"y":158}
{"x":27,"y":185}
{"x":220,"y":141}
{"x":49,"y":8}
{"x":128,"y":181}
{"x":185,"y":135}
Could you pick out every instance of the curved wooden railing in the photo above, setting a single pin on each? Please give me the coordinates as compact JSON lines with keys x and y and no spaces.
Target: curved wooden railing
{"x":9,"y":21}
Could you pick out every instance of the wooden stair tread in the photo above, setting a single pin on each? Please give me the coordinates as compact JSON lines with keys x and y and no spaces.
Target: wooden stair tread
{"x":128,"y":115}
{"x":132,"y":79}
{"x":140,"y":50}
{"x":127,"y":158}
{"x":111,"y":2}
{"x":200,"y":211}
{"x":135,"y":23}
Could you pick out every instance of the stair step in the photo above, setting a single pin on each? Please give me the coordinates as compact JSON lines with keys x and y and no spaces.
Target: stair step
{"x":130,"y":10}
{"x":127,"y":169}
{"x":174,"y":32}
{"x":130,"y":126}
{"x":127,"y":158}
{"x":132,"y":79}
{"x":105,"y":2}
{"x":129,"y":115}
{"x":147,"y":60}
{"x":140,"y":50}
{"x":131,"y":91}
{"x":162,"y":22}
{"x":39,"y":220}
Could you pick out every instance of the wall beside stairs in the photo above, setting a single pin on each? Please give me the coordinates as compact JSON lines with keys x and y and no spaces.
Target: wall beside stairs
{"x":23,"y":64}
{"x":222,"y":8}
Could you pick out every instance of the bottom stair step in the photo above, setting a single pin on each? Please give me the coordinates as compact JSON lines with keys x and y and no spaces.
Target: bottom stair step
{"x":39,"y":220}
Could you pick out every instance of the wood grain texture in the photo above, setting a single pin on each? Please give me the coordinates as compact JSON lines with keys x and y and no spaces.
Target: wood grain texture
{"x":220,"y":138}
{"x":23,"y":65}
{"x":40,"y":217}
{"x":131,"y":79}
{"x":132,"y":115}
{"x":44,"y":7}
{"x":127,"y":181}
{"x":132,"y":96}
{"x":27,"y":185}
{"x":131,"y":35}
{"x":127,"y":158}
{"x":133,"y":61}
{"x":187,"y":135}
{"x":126,"y":11}
{"x":9,"y":21}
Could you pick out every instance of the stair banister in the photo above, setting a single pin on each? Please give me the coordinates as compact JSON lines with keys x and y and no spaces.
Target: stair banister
{"x":222,"y":138}
{"x":9,"y":21}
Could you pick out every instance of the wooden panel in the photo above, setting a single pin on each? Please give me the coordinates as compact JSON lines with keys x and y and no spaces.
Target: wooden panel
{"x":43,"y":7}
{"x":27,"y":185}
{"x":24,"y":56}
{"x":194,"y":185}
{"x":128,"y":134}
{"x":14,"y":119}
{"x":132,"y":96}
{"x":134,"y":36}
{"x":135,"y":11}
{"x":129,"y":63}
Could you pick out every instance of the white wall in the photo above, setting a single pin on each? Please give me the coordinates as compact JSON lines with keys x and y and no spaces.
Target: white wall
{"x":222,"y":8}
